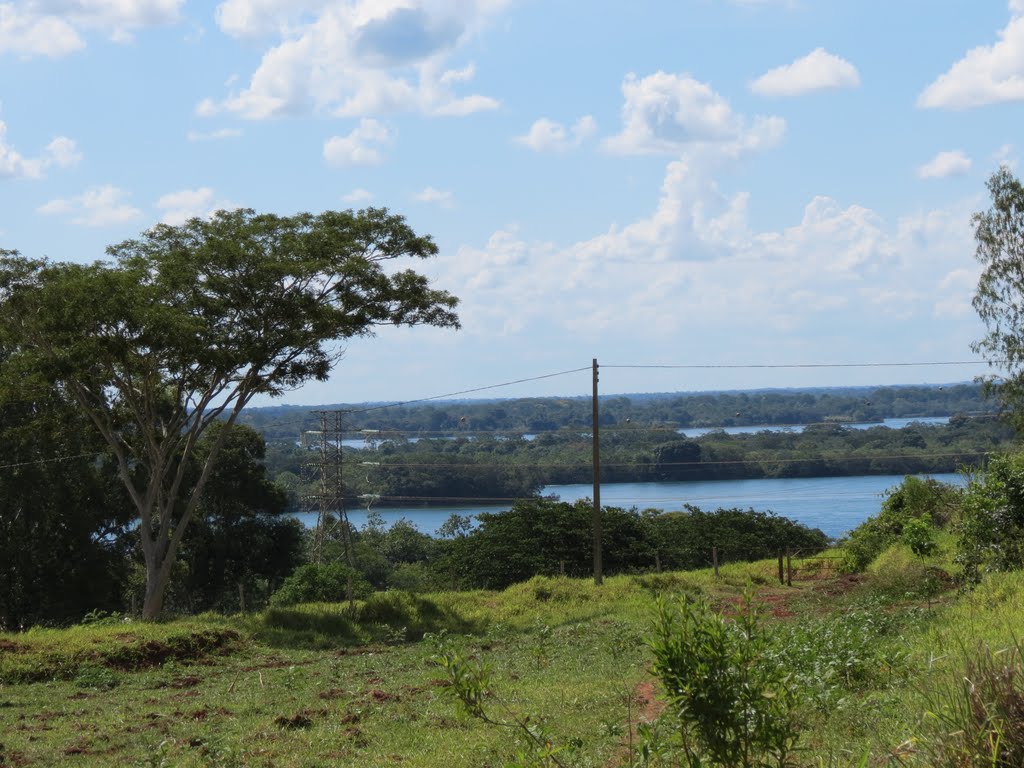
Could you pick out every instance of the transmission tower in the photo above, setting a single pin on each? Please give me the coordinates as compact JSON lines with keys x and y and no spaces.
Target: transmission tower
{"x":326,"y":465}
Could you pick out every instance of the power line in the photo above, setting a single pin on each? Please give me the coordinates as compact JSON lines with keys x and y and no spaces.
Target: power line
{"x":711,"y":366}
{"x":53,"y":460}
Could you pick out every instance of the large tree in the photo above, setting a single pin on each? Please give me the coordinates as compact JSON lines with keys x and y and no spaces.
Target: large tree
{"x":188,"y":323}
{"x":999,"y":298}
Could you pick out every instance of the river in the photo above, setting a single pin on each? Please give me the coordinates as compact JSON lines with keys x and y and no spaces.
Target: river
{"x":833,"y":504}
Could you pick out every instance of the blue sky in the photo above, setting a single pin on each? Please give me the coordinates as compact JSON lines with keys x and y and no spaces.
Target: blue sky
{"x":703,"y":182}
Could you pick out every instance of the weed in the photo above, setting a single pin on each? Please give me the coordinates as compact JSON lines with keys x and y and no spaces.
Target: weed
{"x":95,"y":676}
{"x":978,"y":720}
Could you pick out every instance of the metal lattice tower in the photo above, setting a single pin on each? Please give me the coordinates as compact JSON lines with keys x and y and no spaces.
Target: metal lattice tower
{"x":326,"y":464}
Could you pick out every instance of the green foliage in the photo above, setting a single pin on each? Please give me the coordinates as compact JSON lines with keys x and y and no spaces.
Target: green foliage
{"x":62,"y":524}
{"x":999,"y":297}
{"x":733,"y":704}
{"x":918,"y":535}
{"x":978,"y":718}
{"x":315,"y":582}
{"x":833,"y":657}
{"x":910,"y":513}
{"x":191,"y":322}
{"x":900,"y":573}
{"x":544,"y":537}
{"x":240,"y":545}
{"x":991,"y":528}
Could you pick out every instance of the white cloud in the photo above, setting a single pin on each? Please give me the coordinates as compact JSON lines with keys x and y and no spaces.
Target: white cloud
{"x":61,"y":152}
{"x":28,"y":34}
{"x":362,"y":146}
{"x":96,"y":207}
{"x":988,"y":74}
{"x":436,"y":196}
{"x":53,"y":27}
{"x":358,"y":196}
{"x":355,"y":58}
{"x":221,"y":133}
{"x":548,"y":136}
{"x":954,"y":163}
{"x":819,"y":70}
{"x":695,"y":276}
{"x":178,"y":207}
{"x":668,"y":114}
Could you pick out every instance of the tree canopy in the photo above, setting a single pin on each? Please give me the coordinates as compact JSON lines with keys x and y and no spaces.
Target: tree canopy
{"x":999,"y":298}
{"x":188,"y":323}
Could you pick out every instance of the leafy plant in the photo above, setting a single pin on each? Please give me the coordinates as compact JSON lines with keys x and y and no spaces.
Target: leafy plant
{"x":734,"y":705}
{"x":320,"y":583}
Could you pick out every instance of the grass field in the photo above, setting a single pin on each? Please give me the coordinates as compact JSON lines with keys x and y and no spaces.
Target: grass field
{"x":317,"y":684}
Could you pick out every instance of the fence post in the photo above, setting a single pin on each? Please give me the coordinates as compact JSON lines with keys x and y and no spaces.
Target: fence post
{"x":789,"y":569}
{"x":714,"y":559}
{"x":782,"y":575}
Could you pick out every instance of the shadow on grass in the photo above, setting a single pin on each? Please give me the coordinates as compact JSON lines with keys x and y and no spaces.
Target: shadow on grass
{"x":390,"y":617}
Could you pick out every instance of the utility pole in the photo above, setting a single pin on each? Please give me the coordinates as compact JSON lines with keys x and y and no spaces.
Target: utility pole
{"x":598,"y":576}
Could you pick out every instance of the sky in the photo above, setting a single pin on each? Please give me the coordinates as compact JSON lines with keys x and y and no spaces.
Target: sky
{"x":706,"y":183}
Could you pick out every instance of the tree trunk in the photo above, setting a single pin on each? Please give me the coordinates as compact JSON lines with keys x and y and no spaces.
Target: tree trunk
{"x":158,"y":575}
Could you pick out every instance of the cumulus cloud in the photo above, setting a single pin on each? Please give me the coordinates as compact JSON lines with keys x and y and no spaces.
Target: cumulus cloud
{"x":96,"y":207}
{"x":695,"y":275}
{"x":180,"y":206}
{"x":61,"y":153}
{"x":355,"y":58}
{"x":817,"y":71}
{"x":954,"y":163}
{"x":436,"y":196}
{"x":53,"y":27}
{"x":668,"y":114}
{"x":988,"y":74}
{"x":362,"y":146}
{"x":548,"y":136}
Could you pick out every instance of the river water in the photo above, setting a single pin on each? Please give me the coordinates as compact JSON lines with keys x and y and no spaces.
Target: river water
{"x":833,"y":504}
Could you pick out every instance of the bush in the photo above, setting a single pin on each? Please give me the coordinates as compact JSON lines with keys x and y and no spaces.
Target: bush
{"x":732,"y":703}
{"x":323,"y":583}
{"x":991,"y":529}
{"x":910,"y":513}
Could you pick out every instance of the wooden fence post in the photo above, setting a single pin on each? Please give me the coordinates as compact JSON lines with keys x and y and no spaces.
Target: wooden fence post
{"x":714,"y":559}
{"x":782,"y":575}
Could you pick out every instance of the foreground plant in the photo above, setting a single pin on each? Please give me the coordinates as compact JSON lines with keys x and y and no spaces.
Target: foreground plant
{"x":978,"y":720}
{"x":732,"y":703}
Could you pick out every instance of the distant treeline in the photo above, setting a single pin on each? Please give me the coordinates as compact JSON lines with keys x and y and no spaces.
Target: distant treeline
{"x":502,"y":467}
{"x":680,"y":410}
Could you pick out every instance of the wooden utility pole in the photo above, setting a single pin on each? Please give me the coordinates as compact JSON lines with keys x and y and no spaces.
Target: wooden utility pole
{"x":598,"y":577}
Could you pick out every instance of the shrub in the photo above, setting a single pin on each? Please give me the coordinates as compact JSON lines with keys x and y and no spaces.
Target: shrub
{"x":991,"y":529}
{"x":320,"y":583}
{"x":732,"y":703}
{"x":910,"y":513}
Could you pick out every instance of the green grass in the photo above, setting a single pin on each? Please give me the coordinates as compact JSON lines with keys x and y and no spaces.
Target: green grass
{"x":319,"y":684}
